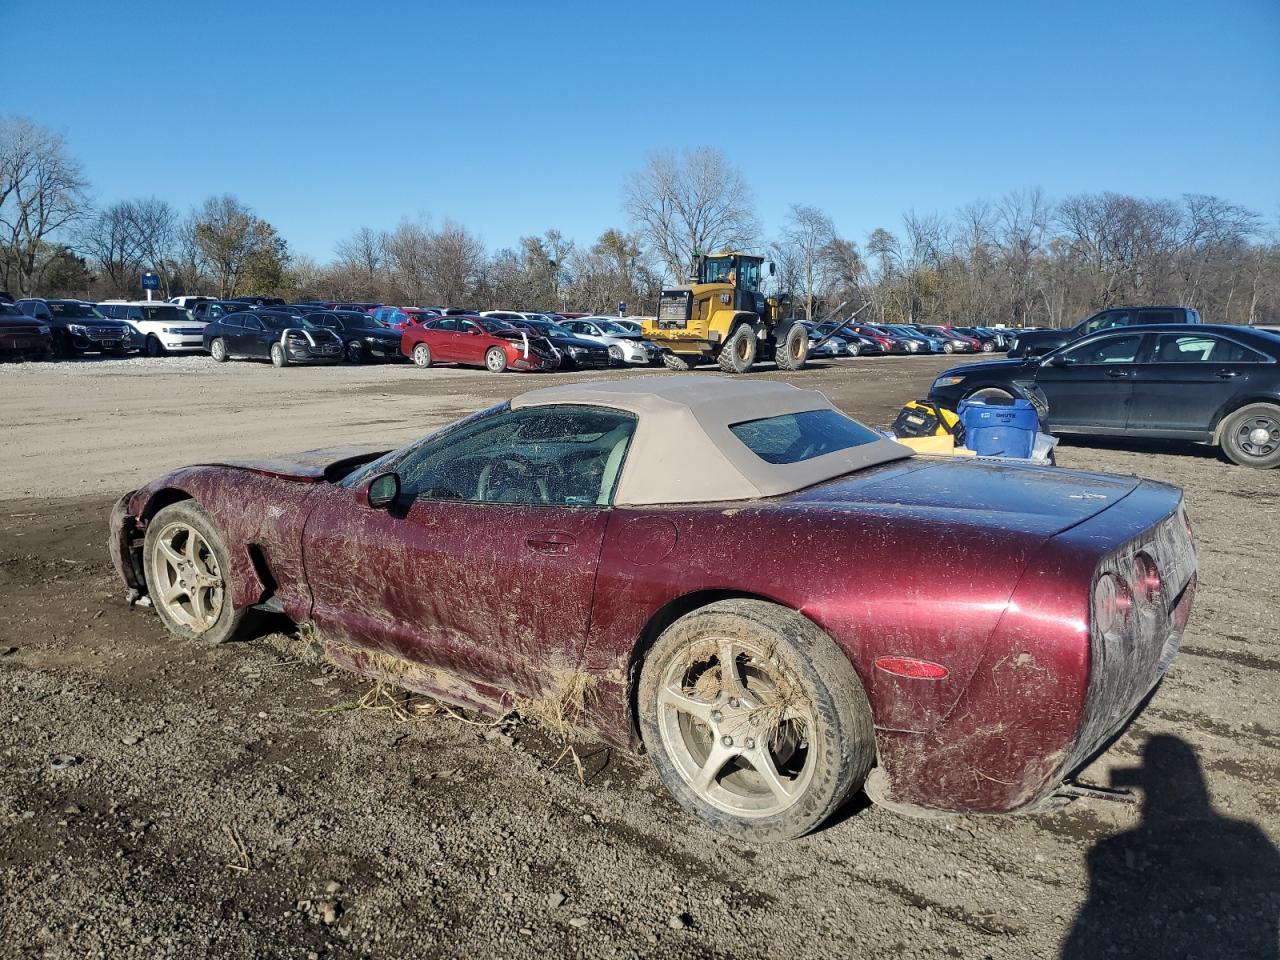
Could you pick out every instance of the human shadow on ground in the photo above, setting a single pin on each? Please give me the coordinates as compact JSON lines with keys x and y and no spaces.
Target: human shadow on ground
{"x":1187,"y":882}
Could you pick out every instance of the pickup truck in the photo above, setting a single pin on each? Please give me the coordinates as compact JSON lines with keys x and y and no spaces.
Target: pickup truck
{"x":1035,"y":343}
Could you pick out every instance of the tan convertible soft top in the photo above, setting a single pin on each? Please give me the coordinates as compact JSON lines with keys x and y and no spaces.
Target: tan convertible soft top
{"x":683,"y":450}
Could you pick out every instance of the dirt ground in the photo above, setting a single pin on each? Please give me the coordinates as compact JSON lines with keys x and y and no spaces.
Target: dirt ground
{"x":162,"y":798}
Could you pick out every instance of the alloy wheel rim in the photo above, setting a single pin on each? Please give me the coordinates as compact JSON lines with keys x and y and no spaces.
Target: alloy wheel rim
{"x":494,"y":360}
{"x":189,"y":583}
{"x":739,"y":737}
{"x":219,"y":350}
{"x":1259,"y":435}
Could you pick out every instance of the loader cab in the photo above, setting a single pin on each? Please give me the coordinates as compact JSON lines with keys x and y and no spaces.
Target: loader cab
{"x":736,"y":269}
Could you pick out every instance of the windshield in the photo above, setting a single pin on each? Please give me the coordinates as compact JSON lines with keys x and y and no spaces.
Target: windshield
{"x":718,"y":269}
{"x":82,"y":310}
{"x":492,"y":325}
{"x":167,"y":313}
{"x":613,"y":329}
{"x":7,"y":310}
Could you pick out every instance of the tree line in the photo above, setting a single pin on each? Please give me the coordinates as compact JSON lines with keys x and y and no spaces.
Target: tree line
{"x":1022,"y":259}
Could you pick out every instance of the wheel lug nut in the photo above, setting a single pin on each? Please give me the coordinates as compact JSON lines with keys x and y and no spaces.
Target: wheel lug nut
{"x":717,"y":716}
{"x":749,"y":743}
{"x":733,"y":702}
{"x":727,"y":741}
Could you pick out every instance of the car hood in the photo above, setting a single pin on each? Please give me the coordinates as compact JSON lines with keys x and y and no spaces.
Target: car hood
{"x":310,"y":466}
{"x":1021,"y":498}
{"x":87,"y":321}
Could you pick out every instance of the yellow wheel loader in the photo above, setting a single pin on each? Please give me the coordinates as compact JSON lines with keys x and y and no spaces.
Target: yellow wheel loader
{"x":722,"y":316}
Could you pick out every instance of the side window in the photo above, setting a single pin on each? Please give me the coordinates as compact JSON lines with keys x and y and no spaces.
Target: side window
{"x":1160,"y":316}
{"x":1105,"y":321}
{"x":135,"y":313}
{"x":1106,"y":350}
{"x":447,"y":324}
{"x":563,"y":456}
{"x":1181,"y":348}
{"x":252,"y":323}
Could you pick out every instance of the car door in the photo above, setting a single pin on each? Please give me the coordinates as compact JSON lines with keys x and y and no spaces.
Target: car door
{"x":255,"y":340}
{"x":470,"y":343}
{"x":442,"y":337}
{"x":1089,"y":385}
{"x":1185,"y":379}
{"x":486,"y":566}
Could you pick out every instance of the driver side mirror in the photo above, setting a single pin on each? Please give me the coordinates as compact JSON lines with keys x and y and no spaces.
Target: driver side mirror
{"x":773,"y":268}
{"x":1056,"y":360}
{"x":384,"y":490}
{"x":474,"y":331}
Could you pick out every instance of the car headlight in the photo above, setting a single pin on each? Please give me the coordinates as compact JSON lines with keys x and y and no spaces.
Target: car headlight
{"x":78,"y":329}
{"x":947,"y":382}
{"x":42,"y":329}
{"x":575,"y":351}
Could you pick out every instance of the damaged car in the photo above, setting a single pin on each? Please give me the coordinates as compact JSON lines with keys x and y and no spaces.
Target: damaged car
{"x":777,"y":605}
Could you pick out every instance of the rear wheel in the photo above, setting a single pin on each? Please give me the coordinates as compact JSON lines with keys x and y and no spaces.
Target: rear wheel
{"x":188,"y":573}
{"x":495,"y":360}
{"x":793,"y":352}
{"x":1251,"y":436}
{"x":218,"y":350}
{"x":278,"y":358}
{"x":738,"y":353}
{"x":422,"y":355}
{"x":756,"y":722}
{"x":154,"y":347}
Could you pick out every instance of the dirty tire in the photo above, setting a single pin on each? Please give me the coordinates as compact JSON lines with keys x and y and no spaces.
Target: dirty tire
{"x":679,"y":361}
{"x":828,"y":759}
{"x":278,"y":359}
{"x":495,"y":360}
{"x":738,"y":353}
{"x":793,"y":352}
{"x":422,"y":355}
{"x":218,"y":350}
{"x":169,"y":524}
{"x":154,"y":347}
{"x":1251,"y":436}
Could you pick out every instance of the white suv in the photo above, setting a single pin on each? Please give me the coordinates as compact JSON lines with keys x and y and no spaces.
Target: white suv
{"x":625,"y":346}
{"x":161,"y":327}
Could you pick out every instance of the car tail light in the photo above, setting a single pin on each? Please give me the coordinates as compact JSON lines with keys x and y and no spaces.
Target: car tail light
{"x":1112,"y":606}
{"x":911,"y":667}
{"x":1147,"y":589}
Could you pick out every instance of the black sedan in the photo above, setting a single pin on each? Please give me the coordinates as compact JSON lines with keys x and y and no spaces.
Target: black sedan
{"x":1209,"y":383}
{"x":281,"y":338}
{"x":364,"y":338}
{"x":576,"y":353}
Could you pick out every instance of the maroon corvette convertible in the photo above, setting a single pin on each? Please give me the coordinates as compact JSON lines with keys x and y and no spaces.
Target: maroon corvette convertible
{"x":776,"y":604}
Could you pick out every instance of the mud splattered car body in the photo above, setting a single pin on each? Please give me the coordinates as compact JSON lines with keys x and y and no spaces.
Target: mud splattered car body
{"x":1004,"y":621}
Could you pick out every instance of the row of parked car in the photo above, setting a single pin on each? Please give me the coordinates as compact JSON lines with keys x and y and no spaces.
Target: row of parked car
{"x":839,"y":338}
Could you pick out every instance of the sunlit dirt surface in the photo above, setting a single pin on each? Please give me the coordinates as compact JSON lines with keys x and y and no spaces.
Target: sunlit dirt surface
{"x":216,"y":804}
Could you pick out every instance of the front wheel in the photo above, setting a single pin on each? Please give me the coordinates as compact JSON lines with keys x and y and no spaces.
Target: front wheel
{"x":854,"y":349}
{"x":1251,"y":436}
{"x":756,"y":722}
{"x":793,"y":352}
{"x":154,"y":347}
{"x":422,"y":355}
{"x":188,"y":573}
{"x":495,"y":360}
{"x":278,"y":358}
{"x":988,"y":347}
{"x":948,"y":348}
{"x":355,"y":352}
{"x":218,"y":350}
{"x":738,"y":353}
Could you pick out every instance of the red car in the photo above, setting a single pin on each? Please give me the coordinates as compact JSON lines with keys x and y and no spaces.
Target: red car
{"x":961,"y":341}
{"x":477,"y":342}
{"x":775,"y":603}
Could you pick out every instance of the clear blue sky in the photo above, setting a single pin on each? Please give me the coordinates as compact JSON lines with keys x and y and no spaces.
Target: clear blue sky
{"x":517,"y":117}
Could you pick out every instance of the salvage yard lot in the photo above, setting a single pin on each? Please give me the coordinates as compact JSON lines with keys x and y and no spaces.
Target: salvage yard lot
{"x":221,"y":805}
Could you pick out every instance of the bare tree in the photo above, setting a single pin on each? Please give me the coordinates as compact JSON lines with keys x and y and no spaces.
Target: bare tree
{"x":233,"y":241}
{"x":809,"y":232}
{"x":42,"y":190}
{"x":155,"y":229}
{"x":696,"y":203}
{"x":109,"y":239}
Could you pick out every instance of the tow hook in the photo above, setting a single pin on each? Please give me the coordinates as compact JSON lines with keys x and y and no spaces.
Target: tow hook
{"x":1070,"y":788}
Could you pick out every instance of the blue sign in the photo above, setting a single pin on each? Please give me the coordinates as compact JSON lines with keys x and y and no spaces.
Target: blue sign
{"x":622,"y":308}
{"x":150,"y":281}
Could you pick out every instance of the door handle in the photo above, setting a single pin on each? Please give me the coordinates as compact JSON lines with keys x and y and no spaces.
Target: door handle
{"x":553,"y":543}
{"x":1228,"y":374}
{"x":1117,"y":374}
